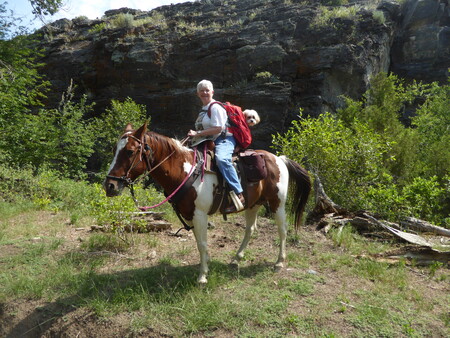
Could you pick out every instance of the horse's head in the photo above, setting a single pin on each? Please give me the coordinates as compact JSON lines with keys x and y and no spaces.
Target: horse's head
{"x":131,"y":159}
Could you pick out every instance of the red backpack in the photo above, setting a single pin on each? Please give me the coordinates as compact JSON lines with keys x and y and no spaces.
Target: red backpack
{"x":237,"y":123}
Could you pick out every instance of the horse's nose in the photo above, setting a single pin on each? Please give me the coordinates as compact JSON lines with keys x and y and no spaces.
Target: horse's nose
{"x":110,"y":187}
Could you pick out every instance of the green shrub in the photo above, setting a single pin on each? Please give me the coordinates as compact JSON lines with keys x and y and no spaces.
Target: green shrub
{"x":265,"y":77}
{"x":122,"y":20}
{"x":347,"y":161}
{"x":432,"y":125}
{"x":155,"y":19}
{"x":326,"y":15}
{"x":366,"y":158}
{"x":424,"y":198}
{"x":61,"y":139}
{"x":97,"y":28}
{"x":379,"y":16}
{"x":112,"y":123}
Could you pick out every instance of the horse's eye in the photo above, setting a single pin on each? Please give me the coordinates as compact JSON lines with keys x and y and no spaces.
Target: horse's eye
{"x":129,"y":153}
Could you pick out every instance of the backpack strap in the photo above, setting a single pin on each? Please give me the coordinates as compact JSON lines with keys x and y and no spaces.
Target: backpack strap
{"x":209,"y":108}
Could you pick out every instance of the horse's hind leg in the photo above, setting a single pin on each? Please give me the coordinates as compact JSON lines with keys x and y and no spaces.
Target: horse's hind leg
{"x":280,"y":219}
{"x":250,"y":226}
{"x":200,"y":223}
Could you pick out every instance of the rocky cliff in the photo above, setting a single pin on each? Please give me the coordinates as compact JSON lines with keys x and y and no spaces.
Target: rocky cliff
{"x":274,"y":56}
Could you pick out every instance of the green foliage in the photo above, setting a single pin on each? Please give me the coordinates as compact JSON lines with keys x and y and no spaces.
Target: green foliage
{"x":155,"y":19}
{"x":345,"y":159}
{"x":112,"y":123}
{"x":265,"y":77}
{"x":122,"y":20}
{"x":45,"y":189}
{"x":379,"y":16}
{"x":432,"y":125}
{"x":61,"y":139}
{"x":20,"y":88}
{"x":97,"y":28}
{"x":45,"y":7}
{"x":366,"y":158}
{"x":326,"y":15}
{"x":424,"y":197}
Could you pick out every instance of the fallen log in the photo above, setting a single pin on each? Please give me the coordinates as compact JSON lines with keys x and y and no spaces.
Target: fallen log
{"x":421,"y":225}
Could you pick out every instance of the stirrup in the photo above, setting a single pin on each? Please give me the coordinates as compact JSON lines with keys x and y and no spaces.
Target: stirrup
{"x":236,"y":201}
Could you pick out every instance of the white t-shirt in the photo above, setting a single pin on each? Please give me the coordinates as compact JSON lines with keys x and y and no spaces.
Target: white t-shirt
{"x":218,"y":118}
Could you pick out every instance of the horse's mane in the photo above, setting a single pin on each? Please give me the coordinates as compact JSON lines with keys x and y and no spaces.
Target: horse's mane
{"x":165,"y":143}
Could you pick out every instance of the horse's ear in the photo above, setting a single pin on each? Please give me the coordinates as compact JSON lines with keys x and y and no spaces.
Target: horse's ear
{"x":141,"y":131}
{"x":129,"y":127}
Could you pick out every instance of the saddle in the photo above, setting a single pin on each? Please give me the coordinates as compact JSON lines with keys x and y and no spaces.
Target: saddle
{"x":250,"y":166}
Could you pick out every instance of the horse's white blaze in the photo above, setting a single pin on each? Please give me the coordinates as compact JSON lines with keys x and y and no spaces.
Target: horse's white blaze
{"x":120,"y":145}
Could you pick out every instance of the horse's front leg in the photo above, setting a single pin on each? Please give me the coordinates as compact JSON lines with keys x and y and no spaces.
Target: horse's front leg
{"x":200,"y":223}
{"x":250,"y":226}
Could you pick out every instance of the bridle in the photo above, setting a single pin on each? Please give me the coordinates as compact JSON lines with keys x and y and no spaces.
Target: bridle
{"x":148,"y":159}
{"x":138,"y":155}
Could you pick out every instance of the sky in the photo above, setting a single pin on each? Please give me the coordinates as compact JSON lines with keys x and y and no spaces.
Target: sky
{"x":91,"y":8}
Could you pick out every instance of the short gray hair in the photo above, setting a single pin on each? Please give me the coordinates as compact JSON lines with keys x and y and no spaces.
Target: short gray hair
{"x":205,"y":84}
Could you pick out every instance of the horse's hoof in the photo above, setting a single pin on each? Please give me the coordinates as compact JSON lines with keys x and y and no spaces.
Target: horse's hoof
{"x":234,"y":264}
{"x":278,"y":267}
{"x":202,"y":281}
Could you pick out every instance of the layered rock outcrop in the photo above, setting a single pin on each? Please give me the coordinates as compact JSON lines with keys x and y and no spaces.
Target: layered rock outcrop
{"x":273,"y":56}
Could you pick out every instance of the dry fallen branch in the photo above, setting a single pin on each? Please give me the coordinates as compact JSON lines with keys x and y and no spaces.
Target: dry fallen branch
{"x":421,"y":225}
{"x":324,"y":204}
{"x":328,"y":214}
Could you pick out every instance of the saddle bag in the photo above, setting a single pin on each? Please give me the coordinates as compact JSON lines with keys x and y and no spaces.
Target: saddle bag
{"x":253,"y":165}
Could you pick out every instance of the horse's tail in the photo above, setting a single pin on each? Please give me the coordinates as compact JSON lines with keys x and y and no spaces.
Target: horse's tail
{"x":300,"y":187}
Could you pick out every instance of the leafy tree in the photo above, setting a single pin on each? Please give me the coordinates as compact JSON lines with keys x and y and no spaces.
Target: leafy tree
{"x":347,"y":161}
{"x":433,"y":128}
{"x":21,"y":87}
{"x":112,"y":124}
{"x":59,"y":139}
{"x":45,"y":7}
{"x":381,"y":109}
{"x":366,"y":158}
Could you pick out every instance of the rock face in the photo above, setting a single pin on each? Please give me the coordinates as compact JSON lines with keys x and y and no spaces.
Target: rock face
{"x":272,"y":56}
{"x":421,"y":47}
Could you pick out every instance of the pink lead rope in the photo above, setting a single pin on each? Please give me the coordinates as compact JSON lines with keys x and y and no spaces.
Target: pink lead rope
{"x":176,"y":190}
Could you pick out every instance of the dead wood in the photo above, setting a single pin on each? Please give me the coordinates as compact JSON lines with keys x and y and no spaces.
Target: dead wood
{"x":424,"y":226}
{"x":324,"y":204}
{"x":327,"y":214}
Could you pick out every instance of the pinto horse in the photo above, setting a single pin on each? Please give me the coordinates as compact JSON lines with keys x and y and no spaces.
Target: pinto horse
{"x":169,"y":162}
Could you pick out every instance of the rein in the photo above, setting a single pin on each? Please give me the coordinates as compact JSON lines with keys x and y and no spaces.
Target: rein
{"x":131,"y":183}
{"x":177,"y":189}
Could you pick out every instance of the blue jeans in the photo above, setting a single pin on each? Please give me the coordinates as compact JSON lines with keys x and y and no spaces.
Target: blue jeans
{"x":224,"y":151}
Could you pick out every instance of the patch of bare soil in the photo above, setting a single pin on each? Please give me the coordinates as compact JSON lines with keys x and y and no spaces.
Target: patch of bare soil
{"x":38,"y":318}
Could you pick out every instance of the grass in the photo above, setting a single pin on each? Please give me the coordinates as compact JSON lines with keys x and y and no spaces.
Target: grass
{"x":330,"y":287}
{"x":253,"y":301}
{"x":326,"y":15}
